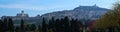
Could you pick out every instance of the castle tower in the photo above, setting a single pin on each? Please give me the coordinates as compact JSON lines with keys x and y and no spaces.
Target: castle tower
{"x":94,"y":5}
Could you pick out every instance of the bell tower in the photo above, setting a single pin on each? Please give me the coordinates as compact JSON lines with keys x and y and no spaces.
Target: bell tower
{"x":22,"y":14}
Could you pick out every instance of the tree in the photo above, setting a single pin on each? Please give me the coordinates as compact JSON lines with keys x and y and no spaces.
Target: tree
{"x":38,"y":29}
{"x":110,"y":20}
{"x":27,"y":27}
{"x":75,"y":25}
{"x":17,"y":29}
{"x":5,"y":27}
{"x":22,"y":28}
{"x":49,"y":30}
{"x":33,"y":27}
{"x":51,"y":23}
{"x":57,"y":26}
{"x":44,"y":25}
{"x":66,"y":23}
{"x":1,"y":26}
{"x":10,"y":25}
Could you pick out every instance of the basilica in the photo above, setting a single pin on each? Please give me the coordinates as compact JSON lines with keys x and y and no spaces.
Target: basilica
{"x":25,"y":16}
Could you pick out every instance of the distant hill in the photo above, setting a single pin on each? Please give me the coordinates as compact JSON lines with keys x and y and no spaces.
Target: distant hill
{"x":82,"y":12}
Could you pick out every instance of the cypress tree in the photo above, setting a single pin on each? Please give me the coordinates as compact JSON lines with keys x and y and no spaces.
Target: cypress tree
{"x":1,"y":26}
{"x":66,"y":24}
{"x":51,"y":23}
{"x":75,"y":25}
{"x":5,"y":24}
{"x":44,"y":26}
{"x":10,"y":25}
{"x":22,"y":26}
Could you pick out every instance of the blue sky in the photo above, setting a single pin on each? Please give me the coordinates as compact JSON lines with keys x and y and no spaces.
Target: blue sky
{"x":34,"y":7}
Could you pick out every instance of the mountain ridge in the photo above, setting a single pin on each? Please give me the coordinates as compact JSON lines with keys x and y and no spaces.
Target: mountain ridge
{"x":78,"y":12}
